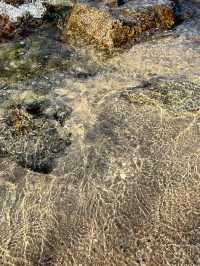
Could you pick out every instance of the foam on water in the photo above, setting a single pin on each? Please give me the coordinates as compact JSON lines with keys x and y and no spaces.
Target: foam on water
{"x":35,"y":9}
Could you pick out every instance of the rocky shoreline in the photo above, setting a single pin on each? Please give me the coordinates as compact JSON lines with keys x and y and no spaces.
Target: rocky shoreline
{"x":100,"y":135}
{"x":127,"y":20}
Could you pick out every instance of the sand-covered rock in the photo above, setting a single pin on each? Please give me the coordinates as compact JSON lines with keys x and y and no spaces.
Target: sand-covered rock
{"x":114,"y":26}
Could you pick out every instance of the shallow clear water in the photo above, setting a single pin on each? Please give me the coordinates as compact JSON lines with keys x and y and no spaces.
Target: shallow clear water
{"x":99,"y":155}
{"x":41,"y":57}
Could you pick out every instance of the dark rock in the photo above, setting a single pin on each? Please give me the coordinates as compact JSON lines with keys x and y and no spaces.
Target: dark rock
{"x":36,"y":107}
{"x":14,"y":2}
{"x":43,"y":150}
{"x":31,"y":137}
{"x":57,"y":9}
{"x":58,"y":111}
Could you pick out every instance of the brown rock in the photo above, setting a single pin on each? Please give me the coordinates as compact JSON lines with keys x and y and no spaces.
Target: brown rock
{"x":6,"y":28}
{"x":112,"y":27}
{"x":14,"y":2}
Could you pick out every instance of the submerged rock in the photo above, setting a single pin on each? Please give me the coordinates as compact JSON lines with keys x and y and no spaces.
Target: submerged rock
{"x":41,"y":59}
{"x":138,"y":131}
{"x":29,"y":136}
{"x":112,"y":27}
{"x":175,"y":96}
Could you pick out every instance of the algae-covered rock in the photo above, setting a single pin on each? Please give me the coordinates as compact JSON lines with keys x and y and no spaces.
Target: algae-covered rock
{"x":114,"y":26}
{"x":59,"y":4}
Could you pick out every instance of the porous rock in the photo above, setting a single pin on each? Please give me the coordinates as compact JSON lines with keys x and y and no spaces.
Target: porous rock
{"x":110,"y":26}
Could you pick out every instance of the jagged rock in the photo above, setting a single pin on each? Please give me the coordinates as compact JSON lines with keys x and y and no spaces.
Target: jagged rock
{"x":112,"y":27}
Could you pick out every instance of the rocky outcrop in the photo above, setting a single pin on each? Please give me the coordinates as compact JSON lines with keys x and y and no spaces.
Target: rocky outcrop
{"x":57,"y":9}
{"x":112,"y":27}
{"x":35,"y":10}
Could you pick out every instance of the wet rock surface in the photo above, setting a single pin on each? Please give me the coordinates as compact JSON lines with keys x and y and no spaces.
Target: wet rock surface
{"x":190,"y":15}
{"x":23,"y":15}
{"x":115,"y":26}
